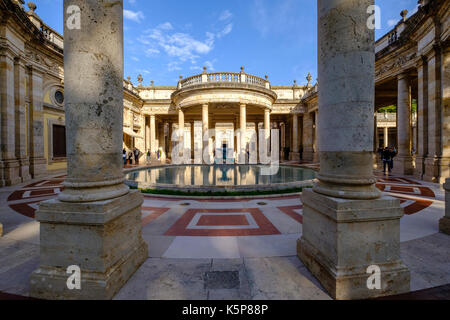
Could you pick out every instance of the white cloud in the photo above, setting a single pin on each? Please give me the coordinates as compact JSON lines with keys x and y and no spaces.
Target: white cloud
{"x":178,"y":45}
{"x":225,"y":15}
{"x":392,"y":22}
{"x":228,"y":28}
{"x":136,"y":16}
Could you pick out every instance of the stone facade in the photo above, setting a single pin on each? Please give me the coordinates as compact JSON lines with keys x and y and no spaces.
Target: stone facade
{"x":412,"y":64}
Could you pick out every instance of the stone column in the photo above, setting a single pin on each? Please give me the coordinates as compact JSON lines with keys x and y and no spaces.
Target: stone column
{"x":295,"y":154}
{"x":267,"y":130}
{"x":96,"y":222}
{"x":148,"y":143}
{"x":20,"y":124}
{"x":347,"y":225}
{"x":386,"y":137}
{"x":181,"y":132}
{"x":153,"y":136}
{"x":434,"y":117}
{"x":444,"y":223}
{"x":422,"y":118}
{"x":403,"y":161}
{"x":38,"y":164}
{"x":307,"y":137}
{"x":243,"y":127}
{"x":315,"y":139}
{"x":162,"y":142}
{"x":11,"y":165}
{"x":205,"y":128}
{"x":444,"y":166}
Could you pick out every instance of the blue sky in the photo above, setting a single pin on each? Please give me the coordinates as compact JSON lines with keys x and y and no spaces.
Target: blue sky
{"x":168,"y":38}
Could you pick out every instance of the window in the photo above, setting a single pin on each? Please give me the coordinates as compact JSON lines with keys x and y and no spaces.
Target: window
{"x":59,"y":141}
{"x":59,"y":97}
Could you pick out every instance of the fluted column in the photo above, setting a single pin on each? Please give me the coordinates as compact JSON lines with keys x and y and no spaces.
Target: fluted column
{"x":347,"y":225}
{"x":243,"y":127}
{"x":11,"y":165}
{"x":403,"y":161}
{"x":97,"y":219}
{"x":295,"y":154}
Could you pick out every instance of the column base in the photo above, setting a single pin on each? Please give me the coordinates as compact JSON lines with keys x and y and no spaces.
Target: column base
{"x":295,"y":156}
{"x":24,"y":170}
{"x":403,"y":165}
{"x":38,"y":167}
{"x":308,"y":156}
{"x":342,"y":238}
{"x":316,"y":158}
{"x":444,"y":170}
{"x":444,"y":223}
{"x":11,"y":172}
{"x":419,"y":170}
{"x":431,"y":170}
{"x":102,"y":238}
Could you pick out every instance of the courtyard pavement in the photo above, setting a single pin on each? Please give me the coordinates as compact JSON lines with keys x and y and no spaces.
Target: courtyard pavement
{"x":226,"y":249}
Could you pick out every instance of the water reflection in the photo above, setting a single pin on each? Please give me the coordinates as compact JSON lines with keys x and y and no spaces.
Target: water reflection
{"x":219,"y":175}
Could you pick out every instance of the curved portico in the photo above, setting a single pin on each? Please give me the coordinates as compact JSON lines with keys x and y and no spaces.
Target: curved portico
{"x":225,"y":102}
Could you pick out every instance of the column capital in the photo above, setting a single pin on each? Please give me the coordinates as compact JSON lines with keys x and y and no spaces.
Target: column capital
{"x":403,"y":76}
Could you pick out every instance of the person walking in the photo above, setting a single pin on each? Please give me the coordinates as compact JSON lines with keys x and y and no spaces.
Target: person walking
{"x":124,"y":157}
{"x":130,"y":158}
{"x":149,"y":157}
{"x":386,"y":157}
{"x":393,"y":154}
{"x":137,"y":154}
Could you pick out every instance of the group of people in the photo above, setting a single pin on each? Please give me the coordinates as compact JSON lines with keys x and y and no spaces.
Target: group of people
{"x":387,"y":155}
{"x":132,"y":157}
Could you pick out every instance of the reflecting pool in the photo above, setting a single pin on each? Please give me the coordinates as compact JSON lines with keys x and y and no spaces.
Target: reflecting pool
{"x":218,"y":176}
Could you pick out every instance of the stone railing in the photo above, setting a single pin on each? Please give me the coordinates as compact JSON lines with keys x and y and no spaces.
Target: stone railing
{"x":191,"y":81}
{"x":224,"y":77}
{"x":52,"y":36}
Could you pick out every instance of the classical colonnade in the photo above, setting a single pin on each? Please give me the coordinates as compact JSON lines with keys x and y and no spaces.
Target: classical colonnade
{"x":348,"y":225}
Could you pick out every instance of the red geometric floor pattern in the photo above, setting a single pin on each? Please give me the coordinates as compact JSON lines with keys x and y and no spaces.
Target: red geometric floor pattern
{"x":222,"y":222}
{"x":293,"y":212}
{"x":26,"y":200}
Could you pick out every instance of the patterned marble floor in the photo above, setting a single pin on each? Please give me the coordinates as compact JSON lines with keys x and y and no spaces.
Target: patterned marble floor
{"x":180,"y":227}
{"x":254,"y":238}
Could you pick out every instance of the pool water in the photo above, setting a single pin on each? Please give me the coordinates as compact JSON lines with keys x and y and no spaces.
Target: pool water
{"x":218,"y":175}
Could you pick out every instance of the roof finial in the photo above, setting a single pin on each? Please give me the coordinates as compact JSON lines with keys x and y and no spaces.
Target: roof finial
{"x":404,"y":14}
{"x":242,"y":69}
{"x":32,"y":6}
{"x":309,"y":78}
{"x":140,"y":79}
{"x":205,"y":69}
